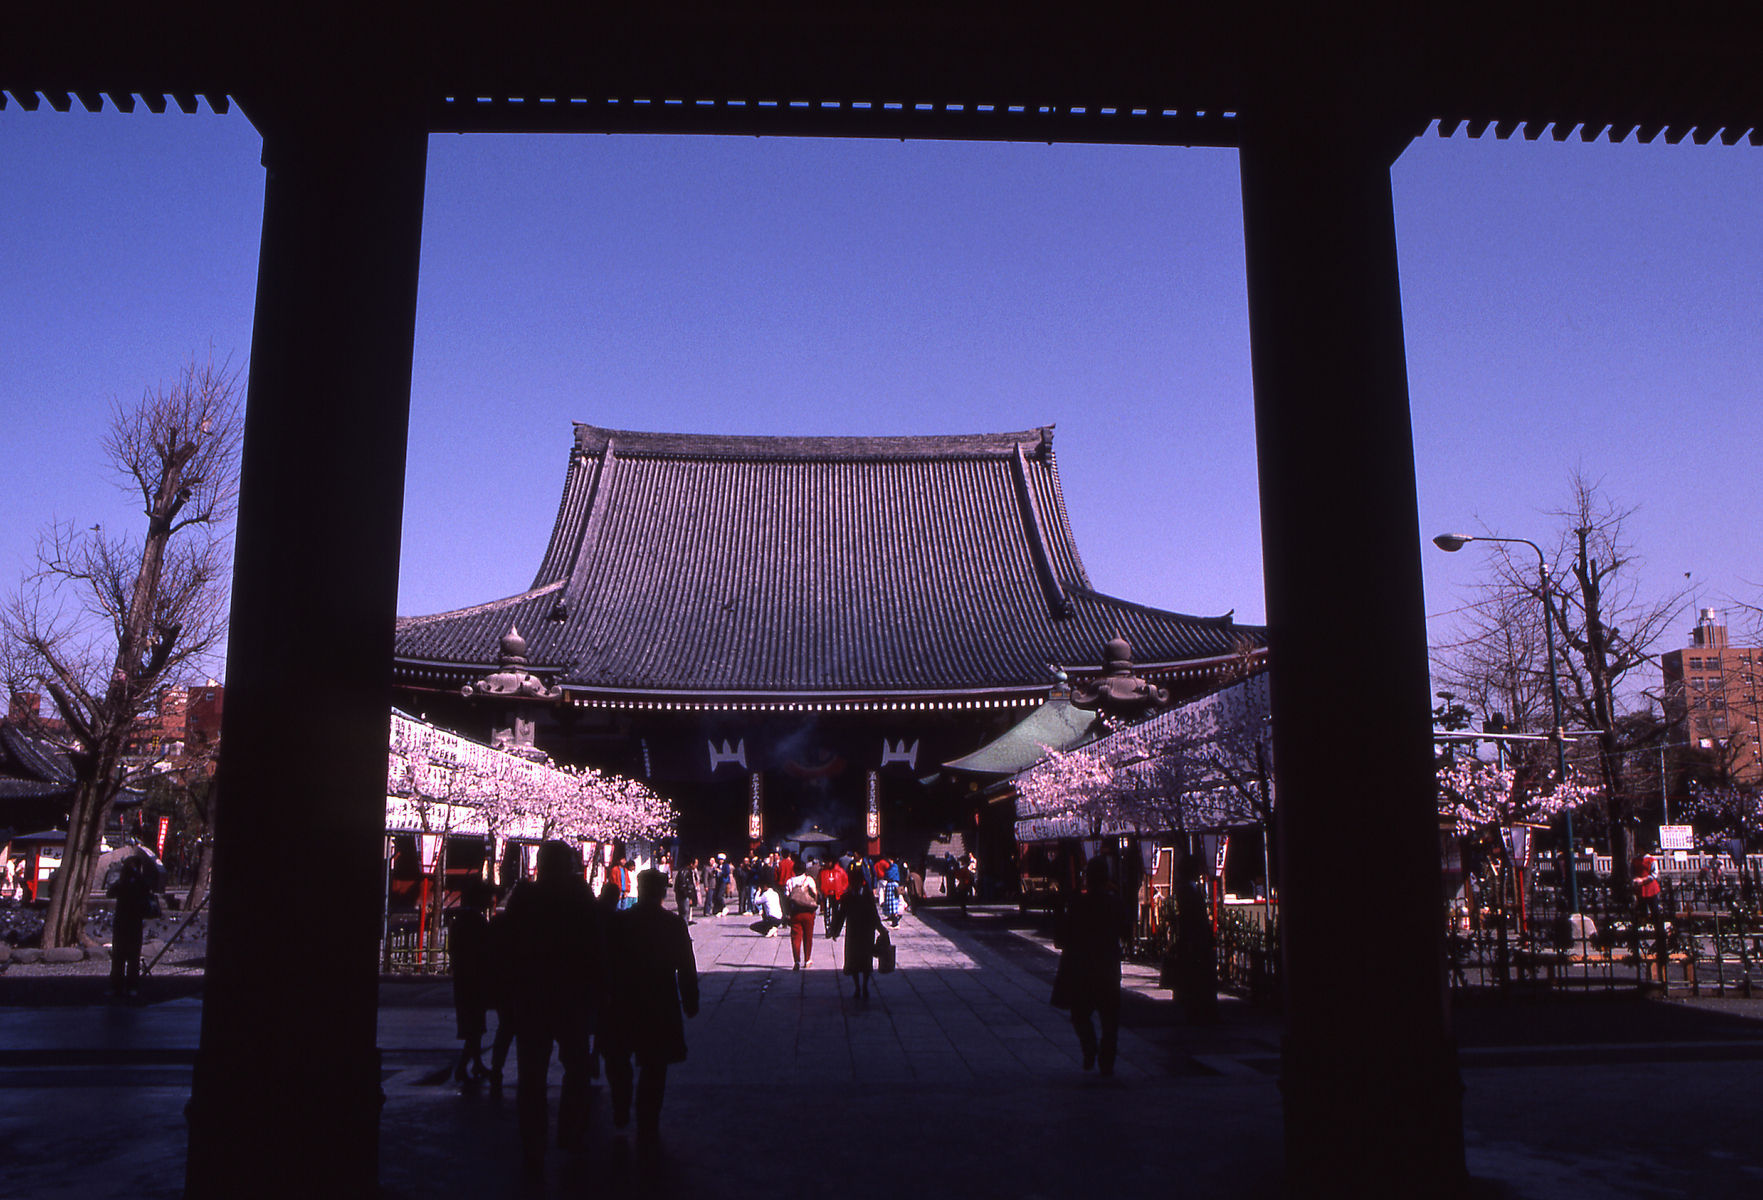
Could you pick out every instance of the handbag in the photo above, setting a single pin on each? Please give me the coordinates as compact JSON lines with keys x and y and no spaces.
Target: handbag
{"x":885,"y":954}
{"x":1062,"y":987}
{"x":802,"y":899}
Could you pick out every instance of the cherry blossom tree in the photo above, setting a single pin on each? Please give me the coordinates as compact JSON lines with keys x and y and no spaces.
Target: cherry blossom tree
{"x":1201,"y":765}
{"x":1478,"y":794}
{"x":1722,"y":813}
{"x":446,"y":781}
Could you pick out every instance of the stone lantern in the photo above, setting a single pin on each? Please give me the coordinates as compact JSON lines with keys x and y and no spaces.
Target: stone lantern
{"x":513,"y":682}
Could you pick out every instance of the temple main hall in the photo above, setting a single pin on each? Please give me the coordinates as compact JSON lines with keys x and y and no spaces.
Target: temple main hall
{"x":784,"y":634}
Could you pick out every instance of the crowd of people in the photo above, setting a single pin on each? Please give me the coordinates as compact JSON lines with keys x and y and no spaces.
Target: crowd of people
{"x":600,"y":980}
{"x":788,"y":891}
{"x":606,"y":979}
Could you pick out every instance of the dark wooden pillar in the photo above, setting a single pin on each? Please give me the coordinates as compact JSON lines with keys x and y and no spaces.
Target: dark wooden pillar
{"x":1371,"y":1088}
{"x":286,"y":1092}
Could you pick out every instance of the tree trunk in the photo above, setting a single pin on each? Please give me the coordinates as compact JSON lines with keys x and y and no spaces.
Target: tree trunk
{"x":64,"y":924}
{"x":204,"y":873}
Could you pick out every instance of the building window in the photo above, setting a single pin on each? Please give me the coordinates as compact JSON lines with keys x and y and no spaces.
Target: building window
{"x":1695,"y":664}
{"x":1699,"y":684}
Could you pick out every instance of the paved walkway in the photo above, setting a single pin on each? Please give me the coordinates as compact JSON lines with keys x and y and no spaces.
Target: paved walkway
{"x":956,"y":1076}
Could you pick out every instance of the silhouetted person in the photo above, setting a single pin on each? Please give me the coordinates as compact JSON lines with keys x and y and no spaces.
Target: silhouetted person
{"x":501,"y":970}
{"x":468,"y":958}
{"x":555,"y":954}
{"x":652,"y":978}
{"x":133,"y":893}
{"x":862,"y":922}
{"x":684,"y":886}
{"x":1196,"y":953}
{"x":966,"y":880}
{"x":1088,"y":980}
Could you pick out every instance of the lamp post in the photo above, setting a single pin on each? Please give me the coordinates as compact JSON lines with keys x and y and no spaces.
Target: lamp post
{"x":1453,"y":542}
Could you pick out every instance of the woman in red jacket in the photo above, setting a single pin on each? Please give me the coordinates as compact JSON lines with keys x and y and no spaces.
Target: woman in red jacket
{"x":833,"y":882}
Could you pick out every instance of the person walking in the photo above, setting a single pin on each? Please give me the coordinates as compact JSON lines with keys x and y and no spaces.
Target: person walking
{"x":862,"y":923}
{"x":1196,"y":945}
{"x":803,"y":899}
{"x":1088,"y":978}
{"x":133,"y":893}
{"x":833,"y":882}
{"x":709,"y":880}
{"x":966,"y":881}
{"x":555,"y":953}
{"x":914,"y":887}
{"x":497,"y":949}
{"x":468,"y":960}
{"x":685,"y":890}
{"x":725,"y":882}
{"x":890,"y":885}
{"x":654,"y":979}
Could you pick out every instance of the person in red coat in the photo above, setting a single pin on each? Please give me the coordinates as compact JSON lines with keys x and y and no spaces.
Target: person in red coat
{"x":833,"y":882}
{"x":653,"y":979}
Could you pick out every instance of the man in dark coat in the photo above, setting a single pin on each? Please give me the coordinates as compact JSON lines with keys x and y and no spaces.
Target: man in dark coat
{"x":1196,"y":952}
{"x":653,"y":978}
{"x":468,"y":958}
{"x":1088,"y":979}
{"x":133,"y":893}
{"x":552,"y":954}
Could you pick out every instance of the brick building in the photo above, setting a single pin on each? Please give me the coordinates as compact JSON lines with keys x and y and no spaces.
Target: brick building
{"x":1713,"y":699}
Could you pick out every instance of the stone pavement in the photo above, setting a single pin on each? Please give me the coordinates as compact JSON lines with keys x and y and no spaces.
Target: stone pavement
{"x":956,"y":1076}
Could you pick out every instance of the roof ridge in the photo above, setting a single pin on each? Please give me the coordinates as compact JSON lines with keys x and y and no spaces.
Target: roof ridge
{"x":1224,"y":620}
{"x":473,"y":609}
{"x":592,"y":439}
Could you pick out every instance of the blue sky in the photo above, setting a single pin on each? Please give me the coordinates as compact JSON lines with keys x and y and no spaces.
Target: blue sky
{"x":1568,"y":306}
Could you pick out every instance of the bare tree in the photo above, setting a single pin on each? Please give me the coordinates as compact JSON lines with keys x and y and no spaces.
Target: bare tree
{"x":105,"y":619}
{"x":1497,"y":664}
{"x":1604,"y":630}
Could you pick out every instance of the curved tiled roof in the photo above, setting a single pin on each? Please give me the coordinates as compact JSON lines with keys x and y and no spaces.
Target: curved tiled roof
{"x":702,"y":565}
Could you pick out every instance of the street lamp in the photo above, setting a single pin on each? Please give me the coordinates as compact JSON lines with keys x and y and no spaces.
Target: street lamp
{"x":1453,"y":542}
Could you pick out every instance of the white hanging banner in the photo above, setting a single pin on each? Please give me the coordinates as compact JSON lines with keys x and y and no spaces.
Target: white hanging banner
{"x":529,"y":855}
{"x":431,"y":850}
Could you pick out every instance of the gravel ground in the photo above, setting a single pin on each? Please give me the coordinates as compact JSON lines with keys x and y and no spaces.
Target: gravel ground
{"x":186,"y":957}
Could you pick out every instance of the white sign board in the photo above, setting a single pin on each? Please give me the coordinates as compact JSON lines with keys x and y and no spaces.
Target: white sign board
{"x":1676,"y":837}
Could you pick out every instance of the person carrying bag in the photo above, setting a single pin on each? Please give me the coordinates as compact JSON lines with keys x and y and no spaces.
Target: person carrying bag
{"x":804,"y":903}
{"x":885,"y":954}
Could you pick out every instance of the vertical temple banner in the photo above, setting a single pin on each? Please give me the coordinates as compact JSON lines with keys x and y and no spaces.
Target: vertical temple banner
{"x":872,"y":806}
{"x":756,"y":806}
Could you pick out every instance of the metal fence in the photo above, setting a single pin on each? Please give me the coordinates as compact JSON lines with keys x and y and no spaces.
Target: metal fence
{"x":1248,"y":954}
{"x":1701,"y":936}
{"x":406,"y":950}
